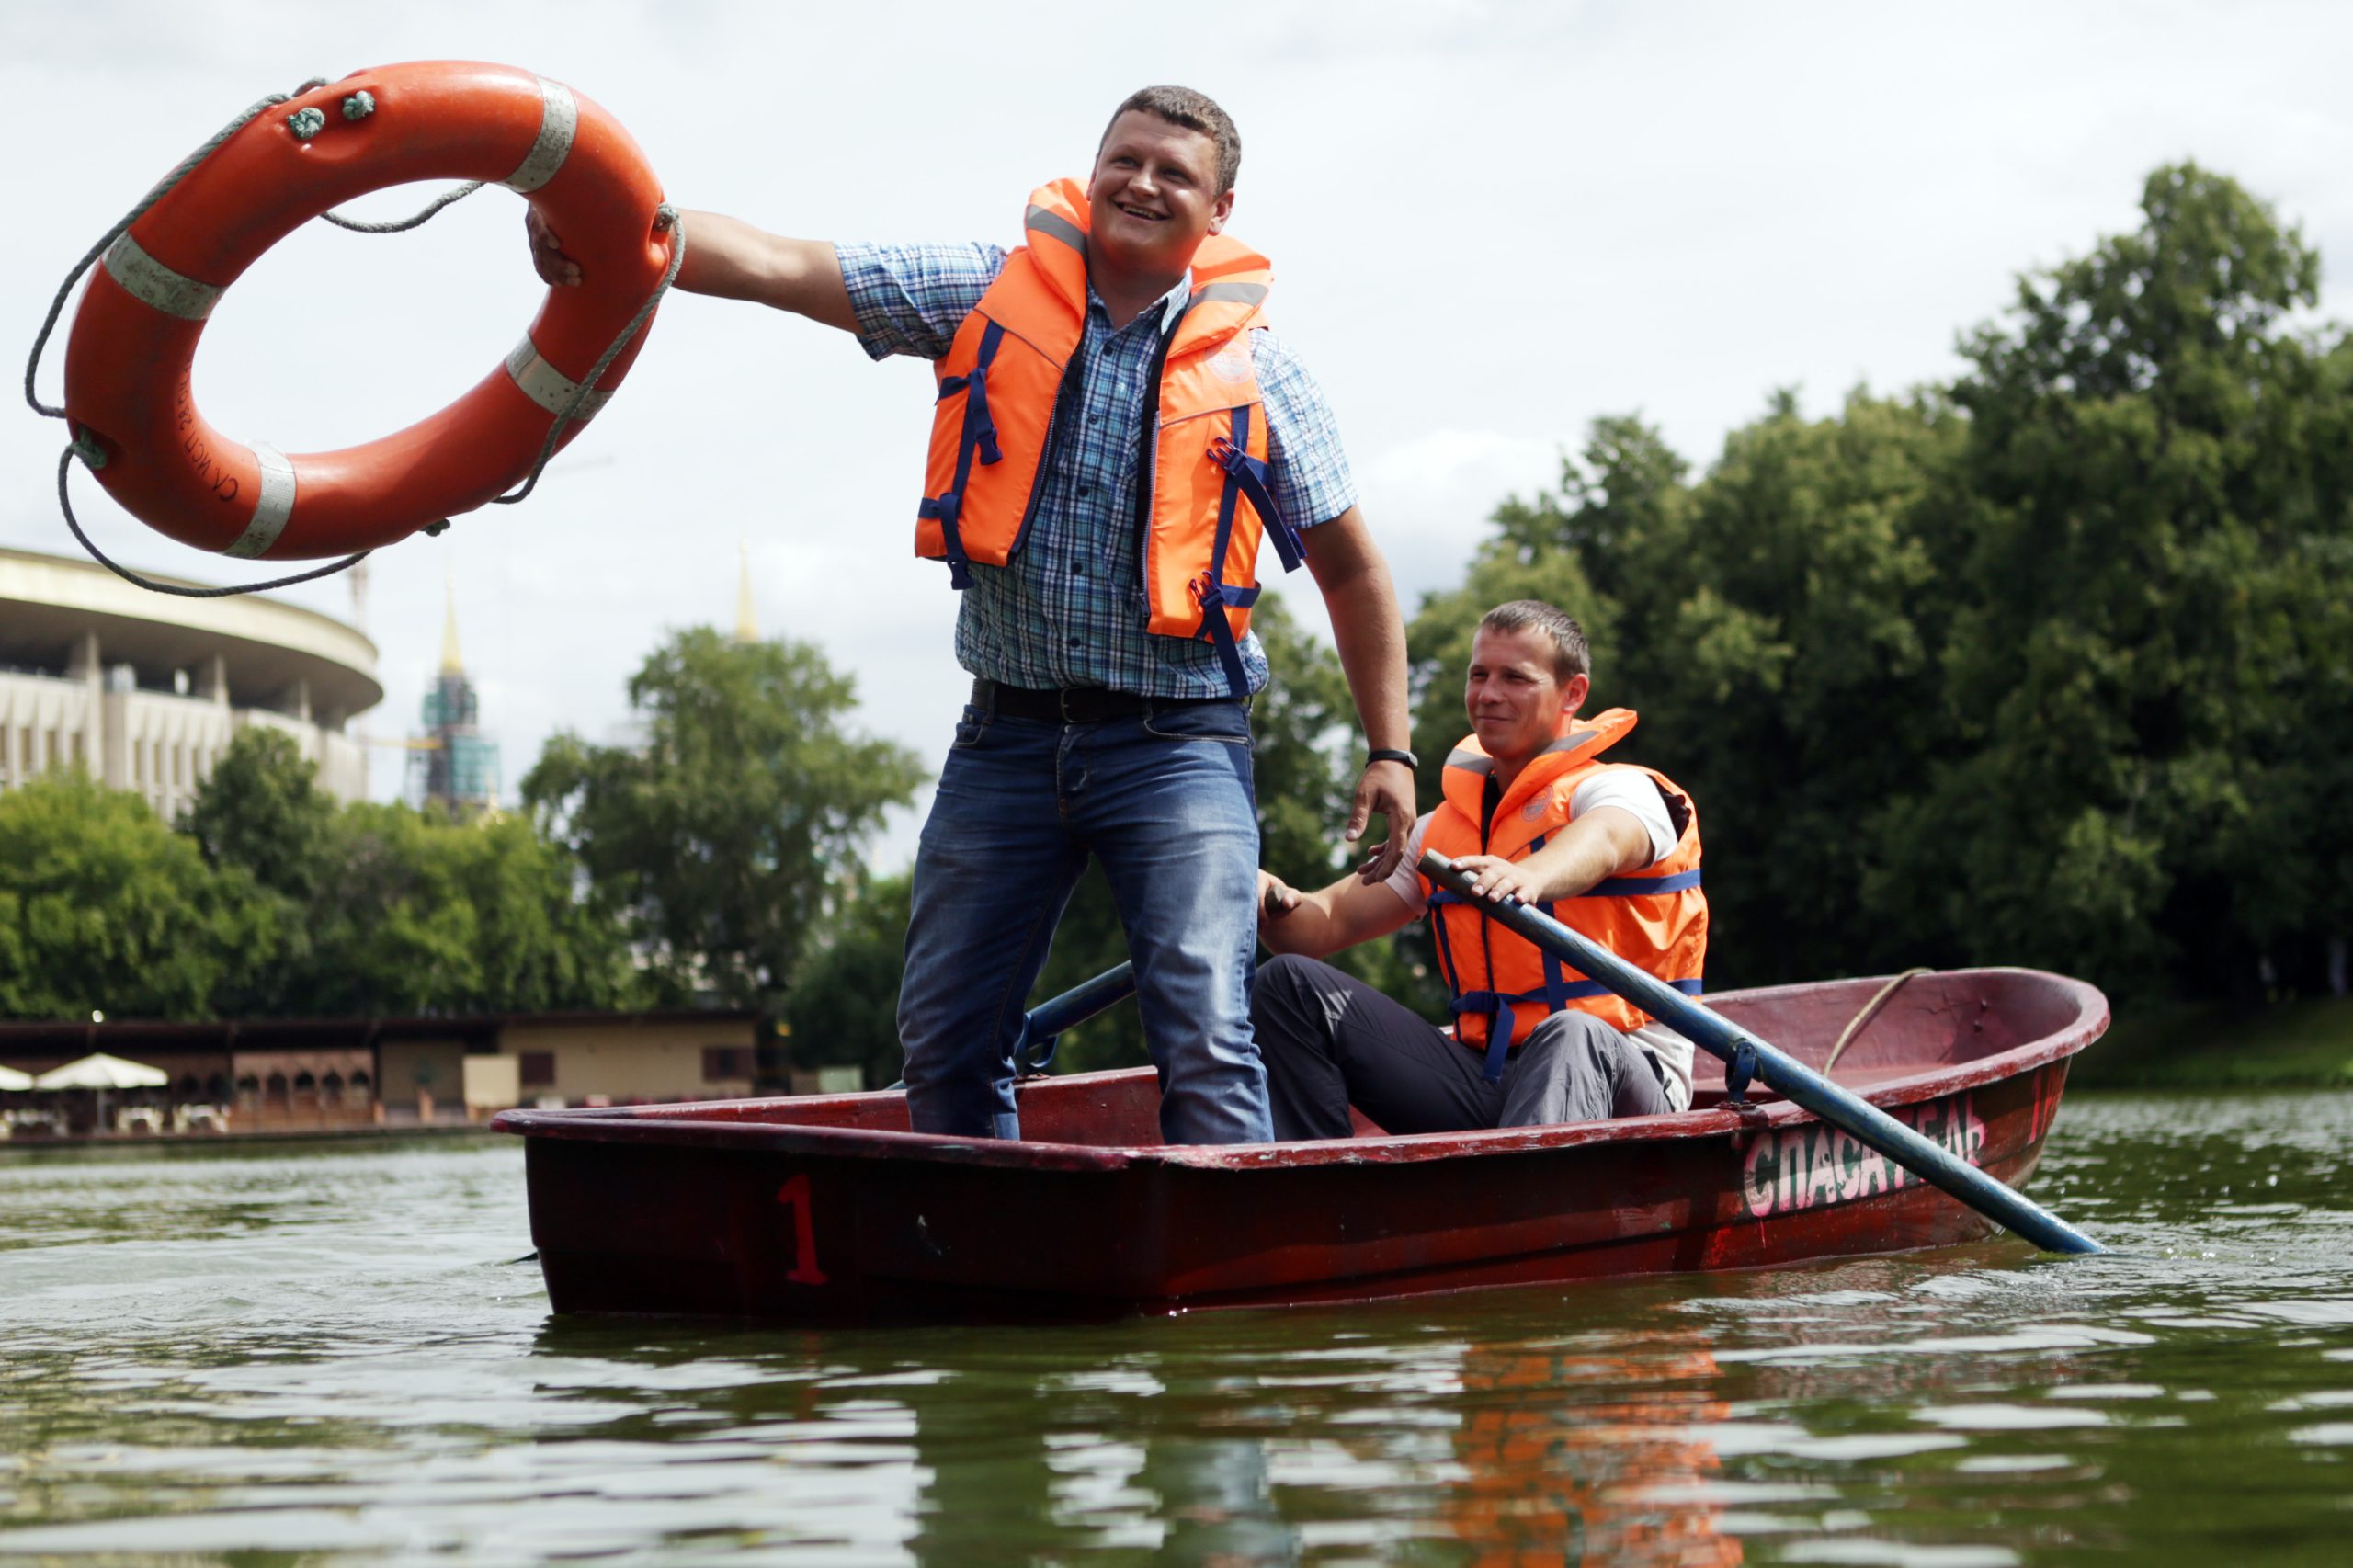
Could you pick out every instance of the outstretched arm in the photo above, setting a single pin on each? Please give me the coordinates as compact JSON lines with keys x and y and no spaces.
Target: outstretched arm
{"x":1317,"y":925}
{"x":1366,"y":624}
{"x":729,"y":258}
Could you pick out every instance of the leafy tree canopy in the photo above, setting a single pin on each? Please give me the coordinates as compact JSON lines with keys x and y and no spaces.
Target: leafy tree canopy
{"x":386,"y":910}
{"x":102,"y":907}
{"x":724,"y":838}
{"x":2051,"y":666}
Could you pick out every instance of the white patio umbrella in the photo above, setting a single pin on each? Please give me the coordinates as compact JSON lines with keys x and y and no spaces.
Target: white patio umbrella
{"x":12,"y":1079}
{"x":99,"y":1070}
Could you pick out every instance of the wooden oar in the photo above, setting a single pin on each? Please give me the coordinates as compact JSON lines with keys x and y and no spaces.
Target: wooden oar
{"x":1780,"y":1072}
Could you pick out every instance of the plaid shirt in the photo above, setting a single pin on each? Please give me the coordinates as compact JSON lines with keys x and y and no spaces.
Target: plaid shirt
{"x":1070,"y":609}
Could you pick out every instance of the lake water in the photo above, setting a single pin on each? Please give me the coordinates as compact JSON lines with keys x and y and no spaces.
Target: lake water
{"x":333,"y":1355}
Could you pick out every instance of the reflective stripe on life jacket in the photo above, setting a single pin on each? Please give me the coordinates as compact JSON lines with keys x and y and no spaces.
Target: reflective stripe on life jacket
{"x":1204,"y":470}
{"x":1656,"y":919}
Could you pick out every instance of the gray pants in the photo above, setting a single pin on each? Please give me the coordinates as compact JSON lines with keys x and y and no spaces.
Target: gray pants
{"x":1329,"y":1041}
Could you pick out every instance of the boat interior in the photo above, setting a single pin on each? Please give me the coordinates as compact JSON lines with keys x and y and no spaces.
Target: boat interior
{"x":1883,"y":1029}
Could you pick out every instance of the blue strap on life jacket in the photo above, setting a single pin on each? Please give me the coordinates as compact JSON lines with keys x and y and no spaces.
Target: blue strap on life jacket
{"x":978,"y":436}
{"x":1245,"y":480}
{"x":1555,"y":979}
{"x":1501,"y":1021}
{"x":1445,"y":952}
{"x":1248,"y":474}
{"x":1555,"y":989}
{"x":1498,"y":1033}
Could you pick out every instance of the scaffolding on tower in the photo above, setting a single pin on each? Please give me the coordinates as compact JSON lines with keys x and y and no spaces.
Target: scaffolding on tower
{"x":453,"y":766}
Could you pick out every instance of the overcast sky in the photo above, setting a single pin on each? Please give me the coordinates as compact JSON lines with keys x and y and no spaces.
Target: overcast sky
{"x":1490,"y":223}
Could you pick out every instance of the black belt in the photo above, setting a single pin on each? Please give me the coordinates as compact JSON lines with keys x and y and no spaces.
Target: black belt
{"x":1074,"y":704}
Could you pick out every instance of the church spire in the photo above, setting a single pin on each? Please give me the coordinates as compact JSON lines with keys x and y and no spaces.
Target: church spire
{"x":454,"y":767}
{"x":747,"y":626}
{"x":453,"y":663}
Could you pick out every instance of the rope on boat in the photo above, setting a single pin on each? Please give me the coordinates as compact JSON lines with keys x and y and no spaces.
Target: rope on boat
{"x":1871,"y":1011}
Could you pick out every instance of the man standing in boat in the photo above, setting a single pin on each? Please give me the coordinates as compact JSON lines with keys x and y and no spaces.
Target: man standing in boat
{"x":1533,"y":815}
{"x":1115,"y":431}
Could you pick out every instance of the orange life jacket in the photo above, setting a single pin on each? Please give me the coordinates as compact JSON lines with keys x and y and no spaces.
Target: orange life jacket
{"x":1003,"y":378}
{"x":1656,"y":919}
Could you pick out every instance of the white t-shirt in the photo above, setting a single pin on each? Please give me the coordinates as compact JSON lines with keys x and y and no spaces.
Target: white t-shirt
{"x":1633,"y":793}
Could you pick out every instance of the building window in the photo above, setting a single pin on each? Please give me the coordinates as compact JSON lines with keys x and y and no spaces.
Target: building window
{"x":535,"y":1069}
{"x":722,"y":1062}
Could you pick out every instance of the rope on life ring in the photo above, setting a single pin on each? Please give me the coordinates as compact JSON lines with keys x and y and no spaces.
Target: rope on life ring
{"x":256,"y":180}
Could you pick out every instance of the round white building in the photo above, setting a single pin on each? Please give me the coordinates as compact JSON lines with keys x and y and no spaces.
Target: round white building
{"x":146,"y":691}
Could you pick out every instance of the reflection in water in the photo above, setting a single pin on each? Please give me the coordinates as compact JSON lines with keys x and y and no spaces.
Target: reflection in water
{"x":334,"y":1356}
{"x":1574,"y":1457}
{"x":1217,"y":1502}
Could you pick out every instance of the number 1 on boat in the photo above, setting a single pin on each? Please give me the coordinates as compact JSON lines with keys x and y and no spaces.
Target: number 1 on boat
{"x":794,"y":1195}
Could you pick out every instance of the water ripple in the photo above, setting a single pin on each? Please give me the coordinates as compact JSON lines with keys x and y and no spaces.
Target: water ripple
{"x":333,"y":1355}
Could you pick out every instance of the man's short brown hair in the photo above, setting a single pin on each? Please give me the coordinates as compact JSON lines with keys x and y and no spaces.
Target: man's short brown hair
{"x":1571,"y":658}
{"x":1193,"y":111}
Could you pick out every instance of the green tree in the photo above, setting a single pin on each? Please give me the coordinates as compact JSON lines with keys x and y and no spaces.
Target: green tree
{"x":2145,"y":680}
{"x":261,"y":808}
{"x":260,"y":812}
{"x":724,"y":839}
{"x":104,"y":907}
{"x":844,"y":1005}
{"x":432,"y":914}
{"x":1303,"y":751}
{"x":387,"y":910}
{"x":1774,"y":645}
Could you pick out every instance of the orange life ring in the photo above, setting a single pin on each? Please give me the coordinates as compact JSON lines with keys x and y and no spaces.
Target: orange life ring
{"x":134,"y":336}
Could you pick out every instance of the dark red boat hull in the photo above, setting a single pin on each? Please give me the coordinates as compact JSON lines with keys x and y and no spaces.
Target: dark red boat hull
{"x":826,"y":1209}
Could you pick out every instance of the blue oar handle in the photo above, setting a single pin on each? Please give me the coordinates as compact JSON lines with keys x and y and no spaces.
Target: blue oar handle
{"x":1779,"y":1071}
{"x":1041,"y":1030}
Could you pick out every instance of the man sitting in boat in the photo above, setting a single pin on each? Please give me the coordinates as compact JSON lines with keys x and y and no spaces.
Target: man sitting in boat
{"x":1532,"y":815}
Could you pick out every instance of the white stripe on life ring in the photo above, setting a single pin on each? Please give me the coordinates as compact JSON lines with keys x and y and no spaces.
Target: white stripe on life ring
{"x":559,"y":118}
{"x":151,"y":283}
{"x":547,"y":386}
{"x":274,"y":506}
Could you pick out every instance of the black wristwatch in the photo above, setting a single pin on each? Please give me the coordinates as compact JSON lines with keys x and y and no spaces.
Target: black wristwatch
{"x":1391,"y":754}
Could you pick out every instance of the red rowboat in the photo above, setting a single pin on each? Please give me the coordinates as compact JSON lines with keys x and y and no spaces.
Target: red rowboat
{"x":827,"y":1209}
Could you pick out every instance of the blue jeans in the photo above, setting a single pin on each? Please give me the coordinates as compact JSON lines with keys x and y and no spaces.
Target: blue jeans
{"x":1165,"y":802}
